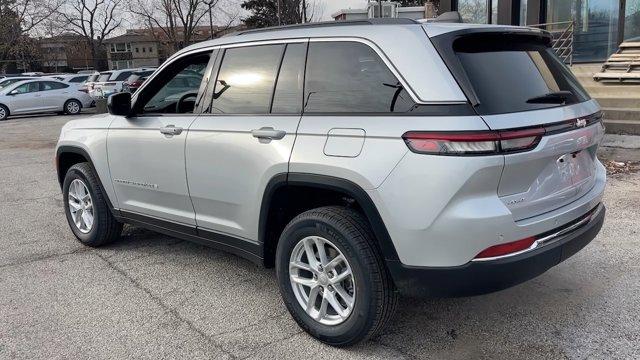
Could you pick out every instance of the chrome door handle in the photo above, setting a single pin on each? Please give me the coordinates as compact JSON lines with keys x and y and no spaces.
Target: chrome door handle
{"x":268,"y":133}
{"x":171,"y":130}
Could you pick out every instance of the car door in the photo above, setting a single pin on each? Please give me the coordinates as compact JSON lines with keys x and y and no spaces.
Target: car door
{"x":146,"y":150}
{"x":53,"y":95}
{"x":246,"y":135}
{"x":25,"y":98}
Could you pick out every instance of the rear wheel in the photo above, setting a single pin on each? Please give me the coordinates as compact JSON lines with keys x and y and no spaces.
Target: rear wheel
{"x":332,"y":278}
{"x":86,"y":209}
{"x":4,"y":112}
{"x":72,"y":107}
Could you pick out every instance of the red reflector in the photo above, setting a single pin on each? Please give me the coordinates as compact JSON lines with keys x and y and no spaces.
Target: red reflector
{"x":508,"y":248}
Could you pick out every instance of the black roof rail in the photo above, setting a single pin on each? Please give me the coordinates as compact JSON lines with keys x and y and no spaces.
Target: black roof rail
{"x":375,"y":21}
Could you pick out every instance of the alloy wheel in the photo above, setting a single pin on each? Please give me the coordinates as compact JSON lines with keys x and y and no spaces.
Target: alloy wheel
{"x":322,"y":280}
{"x":73,"y":107}
{"x":81,"y":206}
{"x":3,"y":113}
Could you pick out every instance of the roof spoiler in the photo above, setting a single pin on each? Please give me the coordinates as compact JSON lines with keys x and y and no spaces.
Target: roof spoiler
{"x":448,"y":17}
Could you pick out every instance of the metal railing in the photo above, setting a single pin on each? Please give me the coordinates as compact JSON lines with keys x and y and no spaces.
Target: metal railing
{"x":563,"y":38}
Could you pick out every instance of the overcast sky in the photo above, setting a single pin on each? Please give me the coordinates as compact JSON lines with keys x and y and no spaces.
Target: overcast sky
{"x":331,"y":6}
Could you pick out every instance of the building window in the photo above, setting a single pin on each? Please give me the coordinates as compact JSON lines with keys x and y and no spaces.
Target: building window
{"x":120,"y":47}
{"x":137,"y":50}
{"x":632,"y":20}
{"x":144,"y":49}
{"x":150,"y":49}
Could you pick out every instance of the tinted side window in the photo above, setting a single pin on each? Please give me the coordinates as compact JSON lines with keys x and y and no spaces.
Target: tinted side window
{"x":246,"y":79}
{"x":176,"y":89}
{"x":348,"y":77}
{"x":50,"y":85}
{"x":78,"y":79}
{"x":123,"y":76}
{"x":287,"y":98}
{"x":27,"y":88}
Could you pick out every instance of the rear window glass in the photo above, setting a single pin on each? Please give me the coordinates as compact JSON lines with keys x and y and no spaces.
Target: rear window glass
{"x":511,"y":75}
{"x":104,"y":77}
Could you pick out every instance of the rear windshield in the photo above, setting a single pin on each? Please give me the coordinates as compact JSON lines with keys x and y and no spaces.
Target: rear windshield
{"x":511,"y":75}
{"x":104,"y":77}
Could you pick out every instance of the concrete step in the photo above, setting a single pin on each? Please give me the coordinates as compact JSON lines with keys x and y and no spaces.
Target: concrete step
{"x":619,"y":102}
{"x":622,"y":114}
{"x":629,"y":127}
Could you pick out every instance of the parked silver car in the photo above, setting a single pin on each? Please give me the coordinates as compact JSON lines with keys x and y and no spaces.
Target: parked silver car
{"x":41,"y":96}
{"x":362,"y":159}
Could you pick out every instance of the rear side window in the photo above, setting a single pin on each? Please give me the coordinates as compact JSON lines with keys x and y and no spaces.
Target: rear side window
{"x":104,"y":77}
{"x":246,"y":80}
{"x":50,"y":85}
{"x":350,"y":77}
{"x":516,"y":74}
{"x":78,"y":79}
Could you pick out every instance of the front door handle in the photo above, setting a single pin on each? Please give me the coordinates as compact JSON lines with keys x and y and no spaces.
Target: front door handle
{"x":171,"y":130}
{"x":268,"y":133}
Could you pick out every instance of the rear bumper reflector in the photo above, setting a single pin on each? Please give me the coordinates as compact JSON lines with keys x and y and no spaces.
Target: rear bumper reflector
{"x":531,"y":243}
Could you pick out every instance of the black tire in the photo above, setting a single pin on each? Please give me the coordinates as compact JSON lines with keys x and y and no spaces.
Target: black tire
{"x":105,"y":228}
{"x":4,"y":114}
{"x":70,"y":112}
{"x":376,"y":296}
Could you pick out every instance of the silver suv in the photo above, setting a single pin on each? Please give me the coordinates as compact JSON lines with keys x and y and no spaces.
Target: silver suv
{"x":363,"y":160}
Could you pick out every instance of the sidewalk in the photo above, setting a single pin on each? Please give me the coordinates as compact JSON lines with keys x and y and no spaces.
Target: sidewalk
{"x":621,"y":148}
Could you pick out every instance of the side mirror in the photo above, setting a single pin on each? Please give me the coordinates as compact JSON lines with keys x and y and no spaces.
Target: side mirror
{"x":13,"y":92}
{"x":119,"y":104}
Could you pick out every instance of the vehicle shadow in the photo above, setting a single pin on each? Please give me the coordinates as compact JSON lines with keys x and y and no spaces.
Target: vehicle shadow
{"x":550,"y":316}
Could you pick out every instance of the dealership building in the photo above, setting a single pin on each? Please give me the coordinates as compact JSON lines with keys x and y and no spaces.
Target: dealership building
{"x":597,"y":26}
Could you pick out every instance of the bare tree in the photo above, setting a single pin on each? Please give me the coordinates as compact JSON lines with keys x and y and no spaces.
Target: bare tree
{"x":19,"y":18}
{"x":174,"y":22}
{"x":94,"y":20}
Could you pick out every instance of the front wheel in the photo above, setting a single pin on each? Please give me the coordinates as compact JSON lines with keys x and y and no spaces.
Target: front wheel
{"x":72,"y":107}
{"x":88,"y":214}
{"x":4,"y":112}
{"x":332,"y":277}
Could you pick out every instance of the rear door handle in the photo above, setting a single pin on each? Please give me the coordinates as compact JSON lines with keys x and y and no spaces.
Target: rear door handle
{"x":171,"y":130}
{"x":268,"y":133}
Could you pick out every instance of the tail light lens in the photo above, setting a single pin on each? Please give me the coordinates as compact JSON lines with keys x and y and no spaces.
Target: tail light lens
{"x":508,"y":248}
{"x":473,"y":143}
{"x":84,"y":90}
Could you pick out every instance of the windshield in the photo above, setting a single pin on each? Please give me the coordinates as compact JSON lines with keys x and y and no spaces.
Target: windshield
{"x":5,"y":83}
{"x":518,"y":74}
{"x":104,"y":77}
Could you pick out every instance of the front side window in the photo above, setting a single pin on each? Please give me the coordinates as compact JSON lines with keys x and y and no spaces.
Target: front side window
{"x":26,"y":88}
{"x":176,"y":89}
{"x":350,"y":77}
{"x":246,"y":80}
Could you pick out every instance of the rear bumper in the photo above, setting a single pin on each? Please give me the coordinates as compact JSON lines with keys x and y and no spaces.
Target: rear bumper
{"x":475,"y":278}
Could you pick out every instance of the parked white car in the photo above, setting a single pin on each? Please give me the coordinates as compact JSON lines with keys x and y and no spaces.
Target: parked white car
{"x":41,"y":96}
{"x":76,"y":80}
{"x":12,"y":80}
{"x":110,"y":82}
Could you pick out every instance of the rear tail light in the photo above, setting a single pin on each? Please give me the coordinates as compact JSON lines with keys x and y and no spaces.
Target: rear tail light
{"x":508,"y":248}
{"x":84,"y":90}
{"x":473,"y":143}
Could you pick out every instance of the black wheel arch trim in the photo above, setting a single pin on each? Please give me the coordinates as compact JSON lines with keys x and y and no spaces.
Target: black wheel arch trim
{"x":347,"y":187}
{"x":82,"y":152}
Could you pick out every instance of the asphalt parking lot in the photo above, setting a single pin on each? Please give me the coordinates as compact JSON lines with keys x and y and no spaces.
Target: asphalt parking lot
{"x":152,"y":296}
